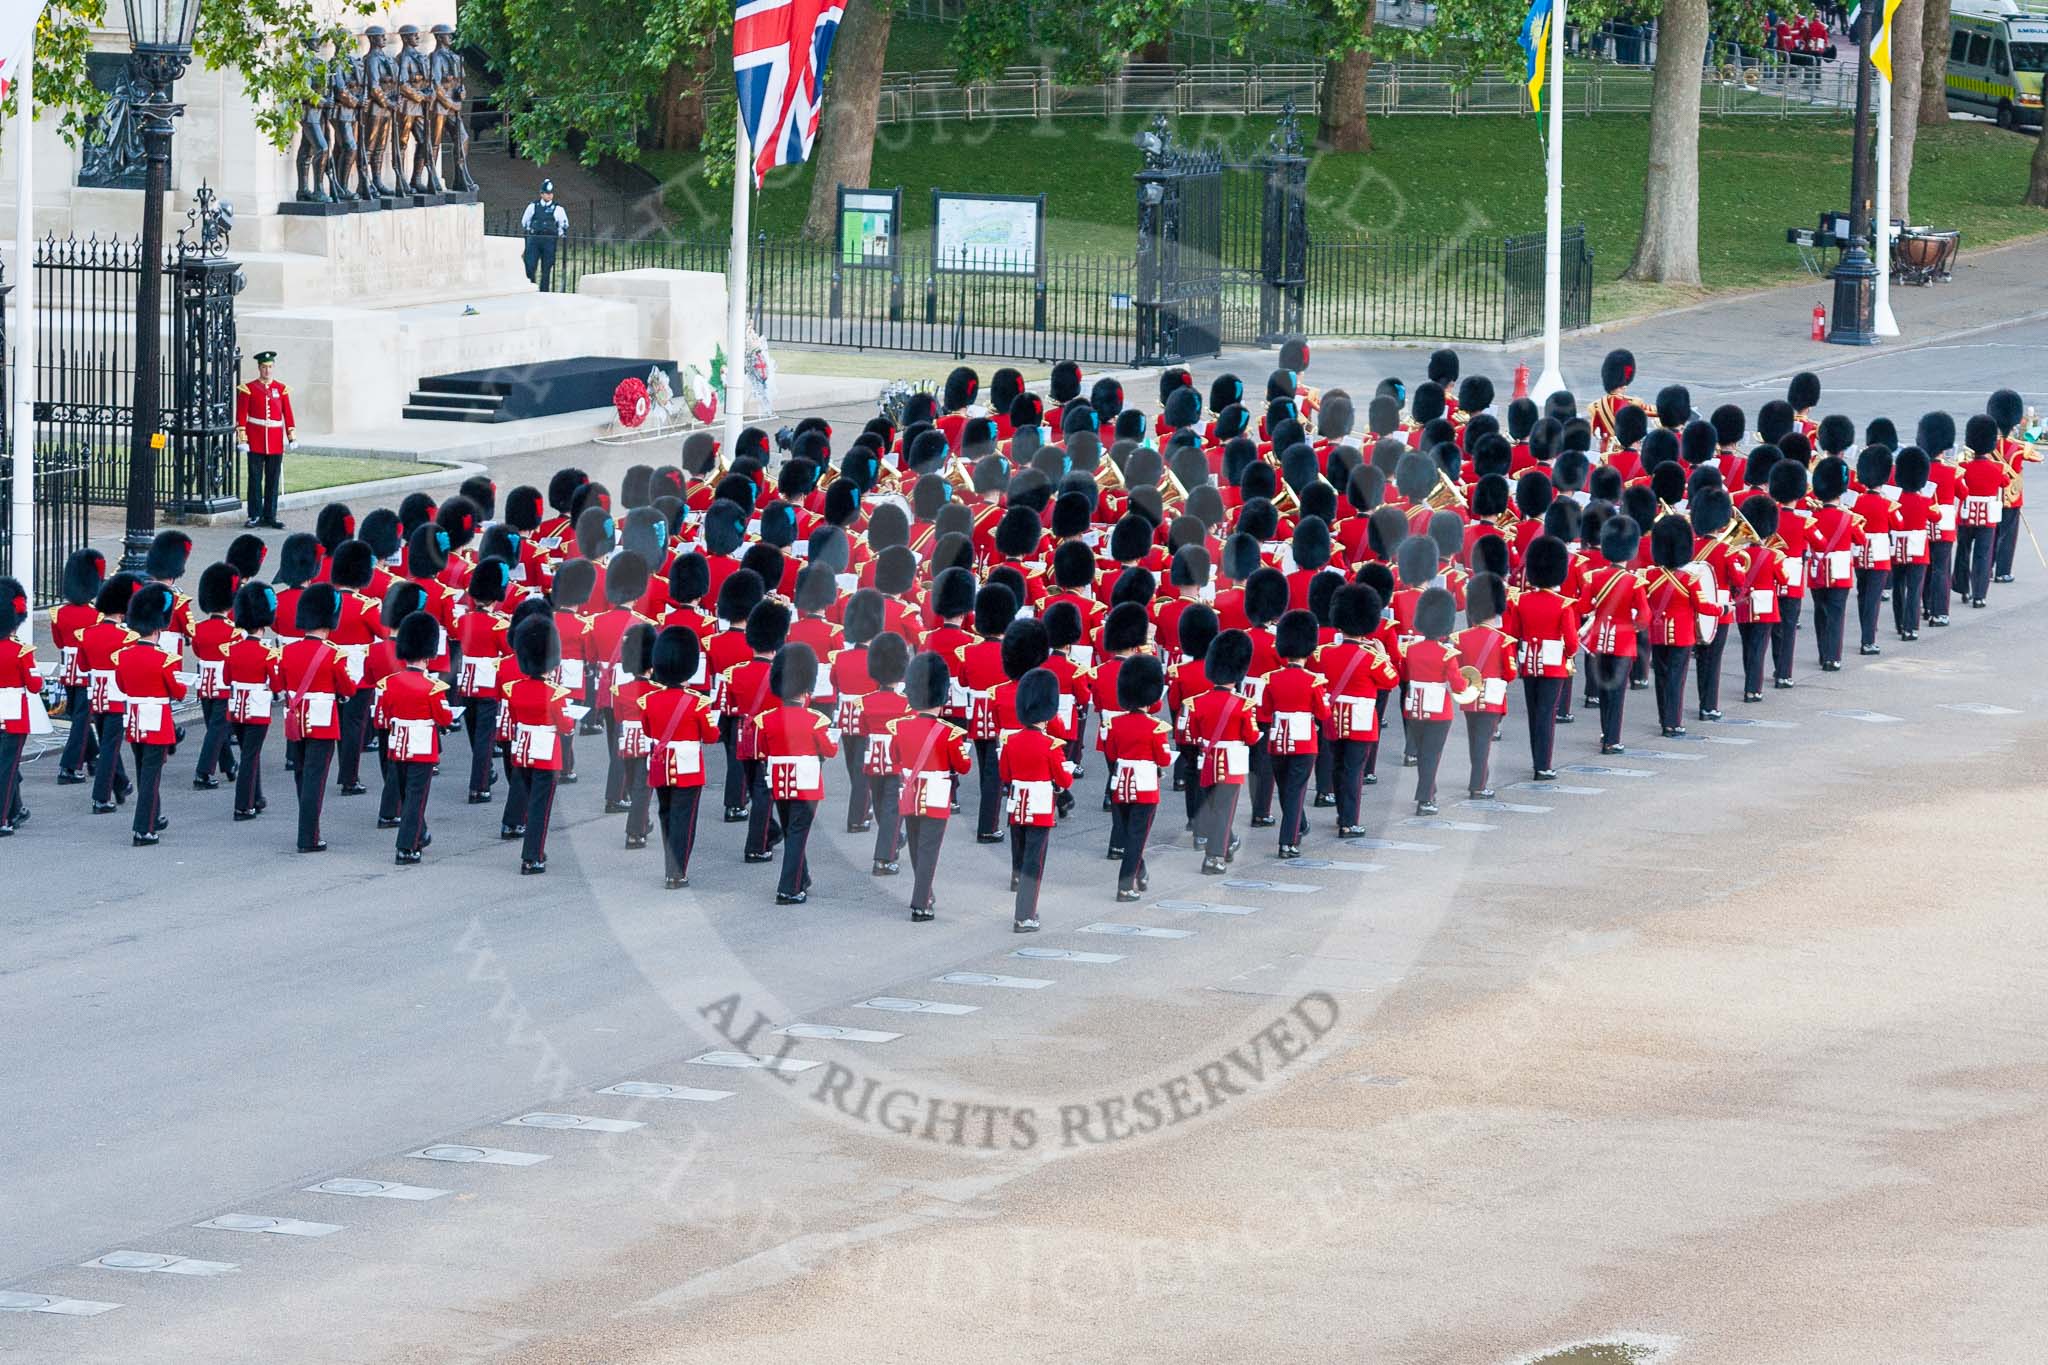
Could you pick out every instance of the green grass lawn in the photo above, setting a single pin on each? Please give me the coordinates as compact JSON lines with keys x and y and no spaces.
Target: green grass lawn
{"x":1469,"y":176}
{"x":302,"y":473}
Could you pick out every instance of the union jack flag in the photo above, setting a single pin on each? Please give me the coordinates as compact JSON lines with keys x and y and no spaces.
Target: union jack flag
{"x":779,"y":50}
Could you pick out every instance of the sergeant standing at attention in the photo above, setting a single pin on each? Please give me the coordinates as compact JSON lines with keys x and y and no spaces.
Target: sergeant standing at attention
{"x":263,"y":413}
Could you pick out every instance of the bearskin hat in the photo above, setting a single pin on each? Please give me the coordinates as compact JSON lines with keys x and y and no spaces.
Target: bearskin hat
{"x":767,"y":626}
{"x":1756,"y":467}
{"x":927,"y":682}
{"x":1265,"y":596}
{"x":1674,"y":405}
{"x":1881,"y":431}
{"x":1229,"y":658}
{"x":352,"y":567}
{"x":1295,"y":635}
{"x":1038,"y":697}
{"x":169,"y":554}
{"x":1874,"y":466}
{"x":1804,"y":390}
{"x":1617,"y":370}
{"x":151,"y":605}
{"x":1697,"y":443}
{"x":1486,"y":598}
{"x":299,"y":559}
{"x":1787,"y":482}
{"x":1980,"y":434}
{"x":1710,"y":511}
{"x":255,"y":607}
{"x":1125,"y":628}
{"x":1475,"y":394}
{"x":1830,"y":478}
{"x":1547,"y":563}
{"x":2006,"y":408}
{"x":319,"y":609}
{"x":401,"y":600}
{"x":1355,"y":610}
{"x":1909,"y":470}
{"x":793,"y":676}
{"x":1436,"y":613}
{"x":1620,"y":538}
{"x":84,"y":571}
{"x":1936,"y":433}
{"x":1762,"y":515}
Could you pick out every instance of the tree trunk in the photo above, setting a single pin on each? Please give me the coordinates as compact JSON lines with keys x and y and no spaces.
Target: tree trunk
{"x":1155,"y":54}
{"x":1340,"y":123}
{"x":680,"y":127}
{"x":1668,"y":251}
{"x":1907,"y":59}
{"x":1933,"y":64}
{"x":845,"y":151}
{"x":2037,"y":174}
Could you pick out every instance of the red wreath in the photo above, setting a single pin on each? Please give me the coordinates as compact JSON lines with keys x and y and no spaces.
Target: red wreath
{"x":630,"y":398}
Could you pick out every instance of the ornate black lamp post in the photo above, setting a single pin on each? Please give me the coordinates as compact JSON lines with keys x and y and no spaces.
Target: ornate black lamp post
{"x":160,"y":32}
{"x":1854,"y":322}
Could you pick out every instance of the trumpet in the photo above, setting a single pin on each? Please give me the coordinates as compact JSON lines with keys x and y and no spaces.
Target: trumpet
{"x":1285,"y":502}
{"x":959,"y":476}
{"x":1472,"y":679}
{"x":1172,"y":496}
{"x":1109,"y":476}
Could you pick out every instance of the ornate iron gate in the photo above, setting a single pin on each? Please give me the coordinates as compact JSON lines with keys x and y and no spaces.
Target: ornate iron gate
{"x":1180,"y":251}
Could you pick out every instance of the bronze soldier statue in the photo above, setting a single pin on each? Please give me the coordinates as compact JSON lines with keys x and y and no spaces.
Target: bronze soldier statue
{"x":380,"y":114}
{"x":312,"y":159}
{"x":344,"y":97}
{"x":414,"y":94}
{"x":451,"y":87}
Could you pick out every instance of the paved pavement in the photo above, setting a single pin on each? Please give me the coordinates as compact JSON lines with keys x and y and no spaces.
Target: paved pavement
{"x":1733,"y":1042}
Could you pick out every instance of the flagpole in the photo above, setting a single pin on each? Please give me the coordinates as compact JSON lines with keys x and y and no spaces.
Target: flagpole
{"x":23,"y":416}
{"x":736,"y":288}
{"x":1883,"y":323}
{"x":1552,"y":377}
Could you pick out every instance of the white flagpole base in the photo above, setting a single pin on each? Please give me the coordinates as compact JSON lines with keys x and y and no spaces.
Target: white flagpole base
{"x":1545,"y":384}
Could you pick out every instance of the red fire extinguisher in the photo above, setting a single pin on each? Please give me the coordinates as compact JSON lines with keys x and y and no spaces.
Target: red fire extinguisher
{"x":1820,"y":322}
{"x":1521,"y":381}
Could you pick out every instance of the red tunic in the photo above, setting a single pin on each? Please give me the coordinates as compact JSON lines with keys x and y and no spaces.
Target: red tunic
{"x":148,"y":679}
{"x":412,"y":708}
{"x":1137,"y":749}
{"x":675,"y":723}
{"x":537,"y":716}
{"x":795,"y":741}
{"x":18,"y":679}
{"x":1493,"y":652}
{"x":1293,"y":708}
{"x":1031,"y":767}
{"x":312,"y":679}
{"x":928,"y":753}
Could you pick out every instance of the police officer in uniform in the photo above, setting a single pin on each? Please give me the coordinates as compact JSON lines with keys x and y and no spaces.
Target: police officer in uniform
{"x":545,"y":225}
{"x":263,"y":412}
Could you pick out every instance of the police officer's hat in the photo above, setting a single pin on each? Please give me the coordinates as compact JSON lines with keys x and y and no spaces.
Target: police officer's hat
{"x":547,"y":187}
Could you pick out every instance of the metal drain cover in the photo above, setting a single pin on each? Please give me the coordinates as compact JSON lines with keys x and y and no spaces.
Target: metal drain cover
{"x":583,"y":1121}
{"x":655,"y":1090}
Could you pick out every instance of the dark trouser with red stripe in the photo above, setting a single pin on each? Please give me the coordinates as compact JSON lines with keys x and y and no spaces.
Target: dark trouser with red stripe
{"x":883,"y":791}
{"x":1906,"y":584}
{"x":1830,"y":607}
{"x":1756,"y":644}
{"x":480,"y":721}
{"x":736,"y":788}
{"x":537,"y":807}
{"x":1870,"y":586}
{"x":2005,"y":542}
{"x":1130,"y":824}
{"x":249,"y":781}
{"x":1290,"y":774}
{"x":1973,"y":560}
{"x":110,"y":773}
{"x":10,"y":777}
{"x":1386,"y":704}
{"x":1610,"y":674}
{"x":1479,"y":728}
{"x":1543,"y":697}
{"x":796,"y":839}
{"x":1667,"y":665}
{"x":1430,"y":738}
{"x":1028,"y":845}
{"x":1941,"y":559}
{"x":315,"y":756}
{"x":81,"y":745}
{"x":355,"y":730}
{"x":1187,"y":774}
{"x":1326,"y":769}
{"x":1262,"y":777}
{"x":678,"y":827}
{"x":763,"y":829}
{"x":149,"y":781}
{"x":1219,"y":809}
{"x":213,"y":749}
{"x":1785,"y":636}
{"x":859,"y":797}
{"x":1706,"y":661}
{"x":1347,"y":776}
{"x":926,"y":832}
{"x":636,"y":798}
{"x":414,"y":781}
{"x":988,"y":816}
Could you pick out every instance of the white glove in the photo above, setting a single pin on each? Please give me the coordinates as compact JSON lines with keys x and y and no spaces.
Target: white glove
{"x":242,"y":447}
{"x":292,"y":443}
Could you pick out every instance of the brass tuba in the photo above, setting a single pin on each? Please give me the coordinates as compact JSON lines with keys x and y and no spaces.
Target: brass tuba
{"x":1737,"y":534}
{"x":1445,"y":494}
